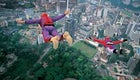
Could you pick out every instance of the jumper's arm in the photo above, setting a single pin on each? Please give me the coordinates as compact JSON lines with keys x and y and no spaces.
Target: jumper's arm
{"x":99,"y":41}
{"x":119,"y":41}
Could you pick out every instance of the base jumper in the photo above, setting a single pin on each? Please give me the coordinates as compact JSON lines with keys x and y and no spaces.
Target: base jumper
{"x":49,"y":32}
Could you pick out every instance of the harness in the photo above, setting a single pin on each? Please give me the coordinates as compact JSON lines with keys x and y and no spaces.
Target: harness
{"x":48,"y":24}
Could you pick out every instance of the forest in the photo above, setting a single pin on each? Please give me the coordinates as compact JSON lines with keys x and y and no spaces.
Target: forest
{"x":65,"y":62}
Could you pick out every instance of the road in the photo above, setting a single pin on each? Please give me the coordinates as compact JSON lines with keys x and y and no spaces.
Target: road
{"x":40,"y":58}
{"x":45,"y":52}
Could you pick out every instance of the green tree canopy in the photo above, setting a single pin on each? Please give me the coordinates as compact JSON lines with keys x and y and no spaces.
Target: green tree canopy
{"x":66,"y":62}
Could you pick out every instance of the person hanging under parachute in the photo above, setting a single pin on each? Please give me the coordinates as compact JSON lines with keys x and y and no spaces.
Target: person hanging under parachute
{"x":49,"y":32}
{"x":108,"y":44}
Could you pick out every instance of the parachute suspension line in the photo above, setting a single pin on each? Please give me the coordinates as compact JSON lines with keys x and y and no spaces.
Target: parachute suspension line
{"x":67,"y":7}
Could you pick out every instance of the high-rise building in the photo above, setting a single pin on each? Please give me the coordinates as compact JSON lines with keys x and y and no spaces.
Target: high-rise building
{"x":138,"y":18}
{"x":58,"y":7}
{"x":29,"y":13}
{"x":61,"y":5}
{"x":133,"y":61}
{"x":133,"y":31}
{"x":72,"y":3}
{"x":105,"y":12}
{"x":43,"y":2}
{"x":99,"y":12}
{"x":137,"y":49}
{"x":70,"y":26}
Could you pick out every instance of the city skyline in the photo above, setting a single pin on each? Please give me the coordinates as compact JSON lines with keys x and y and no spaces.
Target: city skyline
{"x":87,"y":18}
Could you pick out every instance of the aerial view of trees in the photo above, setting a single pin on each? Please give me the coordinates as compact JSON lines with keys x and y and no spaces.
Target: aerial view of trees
{"x":26,"y":53}
{"x":66,"y":62}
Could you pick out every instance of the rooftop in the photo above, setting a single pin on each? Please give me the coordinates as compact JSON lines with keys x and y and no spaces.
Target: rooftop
{"x":137,"y":28}
{"x":138,"y":50}
{"x":127,"y":13}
